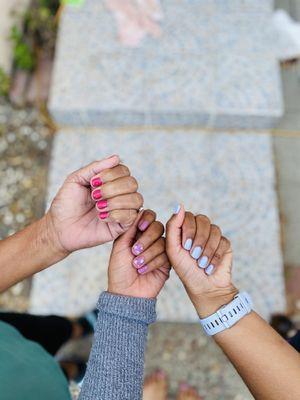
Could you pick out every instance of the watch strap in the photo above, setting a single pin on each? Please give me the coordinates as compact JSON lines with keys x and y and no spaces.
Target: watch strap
{"x":228,"y":315}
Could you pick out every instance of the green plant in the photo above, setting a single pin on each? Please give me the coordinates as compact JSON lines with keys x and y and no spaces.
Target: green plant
{"x":23,"y":54}
{"x":4,"y":83}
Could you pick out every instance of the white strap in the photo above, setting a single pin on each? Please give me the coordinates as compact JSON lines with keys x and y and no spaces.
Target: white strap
{"x":228,"y":315}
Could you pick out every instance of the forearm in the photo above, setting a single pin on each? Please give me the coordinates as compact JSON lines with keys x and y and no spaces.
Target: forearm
{"x":116,"y":363}
{"x":269,"y":366}
{"x":27,"y":252}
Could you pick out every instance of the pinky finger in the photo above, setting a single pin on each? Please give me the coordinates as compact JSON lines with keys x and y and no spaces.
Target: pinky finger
{"x":154,"y":264}
{"x":222,"y":249}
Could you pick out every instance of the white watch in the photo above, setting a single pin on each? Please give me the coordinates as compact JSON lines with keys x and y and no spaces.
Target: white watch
{"x":228,"y":315}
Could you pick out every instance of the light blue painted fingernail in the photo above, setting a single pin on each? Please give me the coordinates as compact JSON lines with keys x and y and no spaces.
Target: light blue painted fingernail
{"x":188,"y":244}
{"x":196,"y":252}
{"x":210,"y":269}
{"x":177,"y":209}
{"x":203,"y":262}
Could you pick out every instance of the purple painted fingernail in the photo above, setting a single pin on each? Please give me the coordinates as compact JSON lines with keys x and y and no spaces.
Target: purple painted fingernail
{"x":143,"y":225}
{"x":139,"y":262}
{"x":143,"y":270}
{"x":137,"y":249}
{"x":210,"y":269}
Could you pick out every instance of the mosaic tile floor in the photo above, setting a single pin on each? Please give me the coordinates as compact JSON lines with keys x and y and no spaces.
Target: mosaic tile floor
{"x":209,"y":68}
{"x":228,"y":176}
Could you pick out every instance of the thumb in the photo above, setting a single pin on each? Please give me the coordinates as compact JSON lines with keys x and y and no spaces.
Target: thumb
{"x":84,"y":175}
{"x":173,"y":228}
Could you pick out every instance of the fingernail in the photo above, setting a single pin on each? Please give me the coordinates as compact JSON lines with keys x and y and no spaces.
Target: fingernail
{"x":183,"y":386}
{"x":143,"y":270}
{"x":196,"y":252}
{"x":143,"y":225}
{"x":101,"y":204}
{"x":203,"y":262}
{"x":96,"y":182}
{"x":96,"y":195}
{"x":210,"y":269}
{"x":138,"y":262}
{"x":176,"y":209}
{"x":137,"y":249}
{"x":161,"y":374}
{"x":188,"y":244}
{"x":103,"y":215}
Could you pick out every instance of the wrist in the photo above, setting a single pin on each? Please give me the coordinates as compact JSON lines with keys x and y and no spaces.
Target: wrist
{"x":47,"y":239}
{"x":208,"y":303}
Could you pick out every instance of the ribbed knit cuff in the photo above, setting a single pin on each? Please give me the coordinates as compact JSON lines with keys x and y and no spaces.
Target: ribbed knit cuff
{"x":134,"y":308}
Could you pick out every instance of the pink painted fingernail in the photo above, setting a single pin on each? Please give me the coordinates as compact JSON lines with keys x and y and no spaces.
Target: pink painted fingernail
{"x":95,"y":182}
{"x":103,"y":215}
{"x":143,"y":270}
{"x":184,"y":386}
{"x":143,"y":225}
{"x":96,"y":195}
{"x":137,"y":249}
{"x":139,"y":262}
{"x":101,"y":204}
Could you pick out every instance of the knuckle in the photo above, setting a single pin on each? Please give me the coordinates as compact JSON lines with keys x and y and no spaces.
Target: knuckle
{"x":203,"y":219}
{"x":158,"y":226}
{"x":150,"y":213}
{"x":218,"y":256}
{"x":124,"y":170}
{"x":216,"y":229}
{"x":132,"y":183}
{"x":139,"y":199}
{"x":226,"y":241}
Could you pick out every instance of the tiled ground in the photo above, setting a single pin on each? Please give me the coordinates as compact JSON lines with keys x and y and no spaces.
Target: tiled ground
{"x":209,"y":68}
{"x":229,"y":177}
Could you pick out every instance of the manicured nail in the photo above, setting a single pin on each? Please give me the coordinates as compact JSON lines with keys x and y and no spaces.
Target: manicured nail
{"x":176,"y":209}
{"x":210,"y":269}
{"x":137,"y":249}
{"x":203,"y":262}
{"x":101,"y":204}
{"x":188,"y":244}
{"x":103,"y":215}
{"x":184,"y":386}
{"x":138,"y":262}
{"x":97,"y":194}
{"x":161,"y":374}
{"x":143,"y":225}
{"x":196,"y":252}
{"x":96,"y":182}
{"x":143,"y":270}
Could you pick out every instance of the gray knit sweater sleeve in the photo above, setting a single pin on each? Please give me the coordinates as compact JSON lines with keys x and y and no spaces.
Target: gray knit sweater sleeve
{"x":116,"y":364}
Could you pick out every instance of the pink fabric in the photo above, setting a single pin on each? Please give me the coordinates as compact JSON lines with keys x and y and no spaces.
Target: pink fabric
{"x":136,"y":19}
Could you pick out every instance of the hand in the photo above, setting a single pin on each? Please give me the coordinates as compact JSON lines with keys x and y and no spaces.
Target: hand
{"x":202,"y":258}
{"x":138,"y":265}
{"x":73,"y":219}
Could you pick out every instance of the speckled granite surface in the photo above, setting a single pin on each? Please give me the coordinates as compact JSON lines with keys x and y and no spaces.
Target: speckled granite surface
{"x":25,"y":144}
{"x":228,"y":176}
{"x":209,"y":68}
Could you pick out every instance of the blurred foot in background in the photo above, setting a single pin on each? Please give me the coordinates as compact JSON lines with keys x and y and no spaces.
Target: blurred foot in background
{"x":156,"y":388}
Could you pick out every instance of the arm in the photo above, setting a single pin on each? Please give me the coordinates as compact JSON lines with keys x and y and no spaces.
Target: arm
{"x":269,"y":366}
{"x":28,"y":252}
{"x":75,"y":220}
{"x":267,"y":363}
{"x":116,"y":363}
